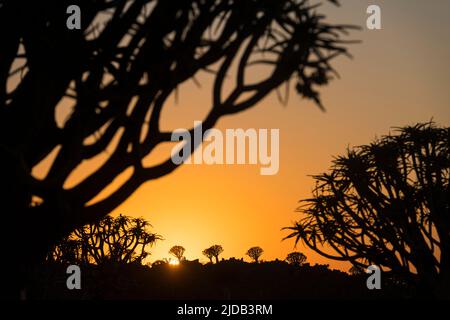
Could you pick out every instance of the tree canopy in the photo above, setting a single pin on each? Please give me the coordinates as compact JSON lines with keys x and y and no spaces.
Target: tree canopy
{"x":254,"y":253}
{"x":213,"y":252}
{"x":296,"y":258}
{"x":386,"y":203}
{"x":111,"y":240}
{"x":177,"y":252}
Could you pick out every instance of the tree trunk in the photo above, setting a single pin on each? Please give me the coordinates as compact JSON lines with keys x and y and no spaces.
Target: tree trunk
{"x":15,"y":200}
{"x":28,"y":232}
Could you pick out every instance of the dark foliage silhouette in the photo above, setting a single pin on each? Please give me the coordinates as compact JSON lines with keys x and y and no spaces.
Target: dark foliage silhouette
{"x":113,"y":78}
{"x":213,"y":252}
{"x":356,"y":270}
{"x":209,"y":254}
{"x":387,"y":203}
{"x":159,"y":262}
{"x":229,"y":279}
{"x":177,"y":252}
{"x":111,"y":240}
{"x":296,"y":258}
{"x":255,"y":253}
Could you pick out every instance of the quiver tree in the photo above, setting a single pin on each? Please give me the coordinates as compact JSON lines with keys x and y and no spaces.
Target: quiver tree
{"x":296,"y":258}
{"x":109,"y":83}
{"x":177,"y":252}
{"x":254,"y":253}
{"x":213,"y":252}
{"x":208,"y":253}
{"x":386,"y":203}
{"x":217,"y":250}
{"x":111,"y":240}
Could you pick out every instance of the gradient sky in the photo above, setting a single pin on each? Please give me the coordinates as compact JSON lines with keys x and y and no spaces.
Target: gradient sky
{"x":399,"y":76}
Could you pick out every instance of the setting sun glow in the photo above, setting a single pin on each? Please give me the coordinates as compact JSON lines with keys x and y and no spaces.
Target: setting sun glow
{"x":173,"y":262}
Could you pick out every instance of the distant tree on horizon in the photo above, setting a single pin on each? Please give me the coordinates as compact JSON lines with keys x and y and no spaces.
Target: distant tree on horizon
{"x":255,"y":253}
{"x":177,"y":252}
{"x":209,"y":254}
{"x":296,"y":258}
{"x":387,"y":204}
{"x":216,"y":251}
{"x":213,"y":252}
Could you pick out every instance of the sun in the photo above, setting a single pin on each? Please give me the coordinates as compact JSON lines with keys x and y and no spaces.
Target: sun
{"x":174,"y":262}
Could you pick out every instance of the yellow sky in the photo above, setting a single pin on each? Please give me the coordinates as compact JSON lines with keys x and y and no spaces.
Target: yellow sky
{"x":400,"y":75}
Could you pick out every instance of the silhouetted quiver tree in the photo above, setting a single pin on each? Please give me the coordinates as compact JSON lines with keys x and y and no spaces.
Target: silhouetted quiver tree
{"x":109,"y":83}
{"x":177,"y":252}
{"x":213,"y":252}
{"x":254,"y":253}
{"x":208,"y":253}
{"x":296,"y":258}
{"x":217,"y":250}
{"x":111,"y":240}
{"x":387,"y":204}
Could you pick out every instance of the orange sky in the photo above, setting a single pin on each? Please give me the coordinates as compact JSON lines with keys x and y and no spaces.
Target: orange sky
{"x":399,"y":76}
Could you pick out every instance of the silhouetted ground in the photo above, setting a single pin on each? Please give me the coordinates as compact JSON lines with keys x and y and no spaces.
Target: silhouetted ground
{"x":229,"y":279}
